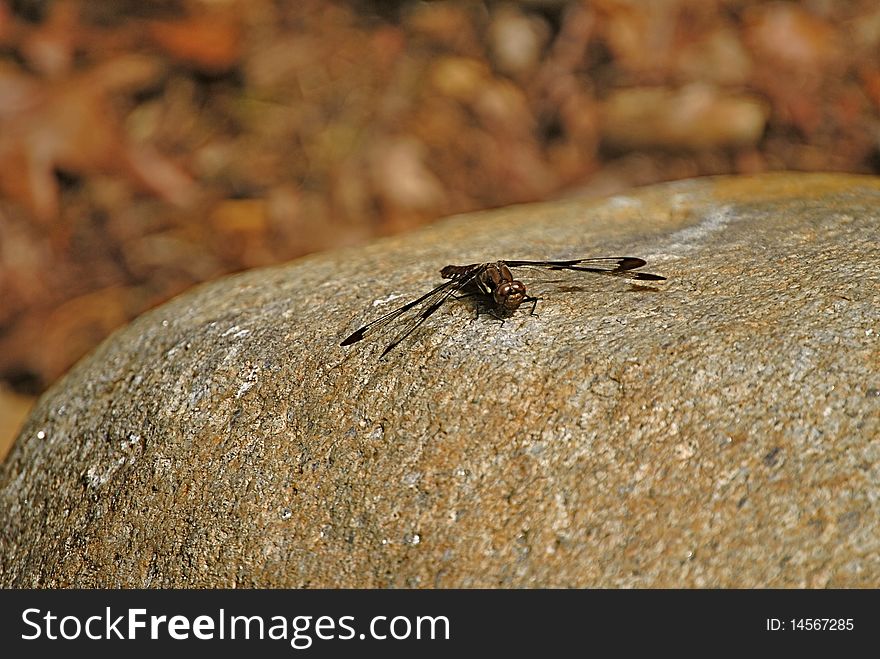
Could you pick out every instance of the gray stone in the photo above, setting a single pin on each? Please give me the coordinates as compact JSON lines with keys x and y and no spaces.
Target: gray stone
{"x":721,"y":428}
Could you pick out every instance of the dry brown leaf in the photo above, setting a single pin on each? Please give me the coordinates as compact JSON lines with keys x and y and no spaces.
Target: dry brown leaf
{"x":211,"y":42}
{"x":71,"y":125}
{"x":14,"y":409}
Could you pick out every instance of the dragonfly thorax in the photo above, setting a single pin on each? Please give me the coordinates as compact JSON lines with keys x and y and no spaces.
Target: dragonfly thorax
{"x":507,"y":292}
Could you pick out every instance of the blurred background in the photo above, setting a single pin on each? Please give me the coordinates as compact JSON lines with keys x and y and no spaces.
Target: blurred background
{"x":149,"y":146}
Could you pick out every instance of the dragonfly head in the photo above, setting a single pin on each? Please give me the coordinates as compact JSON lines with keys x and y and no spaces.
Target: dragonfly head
{"x":510,"y":294}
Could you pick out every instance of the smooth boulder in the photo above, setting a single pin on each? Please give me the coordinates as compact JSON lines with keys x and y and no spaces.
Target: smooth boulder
{"x":717,"y":429}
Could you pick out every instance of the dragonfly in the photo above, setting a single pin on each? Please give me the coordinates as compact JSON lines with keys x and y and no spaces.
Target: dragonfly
{"x":495,"y":284}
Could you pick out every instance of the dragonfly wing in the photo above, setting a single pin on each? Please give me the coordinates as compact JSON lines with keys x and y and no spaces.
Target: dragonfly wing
{"x":376,"y":326}
{"x":410,"y":316}
{"x":420,"y":317}
{"x":613,"y":266}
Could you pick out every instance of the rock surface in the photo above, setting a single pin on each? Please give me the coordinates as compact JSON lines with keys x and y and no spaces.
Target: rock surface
{"x":721,"y":428}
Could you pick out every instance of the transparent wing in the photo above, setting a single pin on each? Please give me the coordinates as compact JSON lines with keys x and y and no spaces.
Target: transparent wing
{"x":404,"y":320}
{"x":612,"y":266}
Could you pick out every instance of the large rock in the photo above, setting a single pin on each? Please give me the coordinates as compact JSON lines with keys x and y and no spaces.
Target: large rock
{"x":721,"y":428}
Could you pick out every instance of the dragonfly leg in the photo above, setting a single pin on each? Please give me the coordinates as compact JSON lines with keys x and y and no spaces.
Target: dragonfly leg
{"x":534,"y":301}
{"x":494,"y":313}
{"x":464,"y":296}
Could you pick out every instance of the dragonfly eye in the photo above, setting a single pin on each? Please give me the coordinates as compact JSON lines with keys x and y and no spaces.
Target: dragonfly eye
{"x":510,"y":294}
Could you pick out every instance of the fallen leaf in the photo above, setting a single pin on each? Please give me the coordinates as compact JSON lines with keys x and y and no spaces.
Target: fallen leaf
{"x":71,"y":125}
{"x":211,"y":42}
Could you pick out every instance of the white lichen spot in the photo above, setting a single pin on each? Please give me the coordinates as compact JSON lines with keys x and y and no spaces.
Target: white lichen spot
{"x":41,"y":434}
{"x":387,"y":299}
{"x":684,"y":451}
{"x":250,"y":377}
{"x":691,"y":238}
{"x":236,"y":332}
{"x":243,"y":388}
{"x":412,"y":478}
{"x":96,"y":476}
{"x":561,"y":520}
